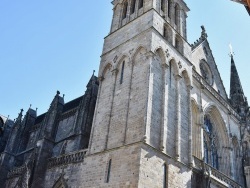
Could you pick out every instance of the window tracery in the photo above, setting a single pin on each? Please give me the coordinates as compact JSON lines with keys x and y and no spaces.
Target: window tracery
{"x":205,"y":72}
{"x":210,"y":144}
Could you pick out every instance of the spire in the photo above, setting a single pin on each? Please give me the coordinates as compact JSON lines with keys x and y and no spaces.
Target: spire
{"x":237,"y":97}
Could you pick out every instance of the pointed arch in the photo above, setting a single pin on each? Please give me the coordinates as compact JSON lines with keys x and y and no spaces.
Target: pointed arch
{"x":217,"y":139}
{"x":160,"y":52}
{"x":105,"y":70}
{"x":140,"y":50}
{"x":186,"y":77}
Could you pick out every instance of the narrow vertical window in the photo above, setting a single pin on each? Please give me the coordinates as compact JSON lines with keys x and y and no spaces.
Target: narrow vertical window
{"x":176,"y":14}
{"x":132,"y":10}
{"x":125,"y":8}
{"x":165,"y":180}
{"x":140,"y":4}
{"x":165,"y":32}
{"x":122,"y":72}
{"x":163,"y":5}
{"x":108,"y":174}
{"x":169,"y":8}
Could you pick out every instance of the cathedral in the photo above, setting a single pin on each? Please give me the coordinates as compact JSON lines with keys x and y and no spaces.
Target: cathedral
{"x":156,"y":116}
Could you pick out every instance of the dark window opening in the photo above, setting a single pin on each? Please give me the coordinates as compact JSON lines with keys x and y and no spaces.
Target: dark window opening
{"x":176,"y":14}
{"x":125,"y":8}
{"x":132,"y":10}
{"x":165,"y":180}
{"x":122,"y":72}
{"x":140,"y":4}
{"x":108,"y":174}
{"x":169,"y":8}
{"x":165,"y":32}
{"x":163,"y":5}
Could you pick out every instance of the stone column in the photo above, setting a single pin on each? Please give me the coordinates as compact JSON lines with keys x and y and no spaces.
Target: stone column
{"x":178,"y":117}
{"x":190,"y":136}
{"x":150,"y":56}
{"x":164,"y":109}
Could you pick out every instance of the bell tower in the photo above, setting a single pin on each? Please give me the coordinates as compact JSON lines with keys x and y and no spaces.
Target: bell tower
{"x":144,"y":81}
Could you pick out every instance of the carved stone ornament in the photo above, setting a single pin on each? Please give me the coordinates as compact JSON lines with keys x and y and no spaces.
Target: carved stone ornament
{"x":167,"y":53}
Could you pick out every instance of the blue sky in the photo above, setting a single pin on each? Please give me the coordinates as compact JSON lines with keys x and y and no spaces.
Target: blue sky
{"x":47,"y":46}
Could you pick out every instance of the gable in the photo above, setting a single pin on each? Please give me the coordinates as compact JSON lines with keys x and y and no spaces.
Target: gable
{"x":204,"y":64}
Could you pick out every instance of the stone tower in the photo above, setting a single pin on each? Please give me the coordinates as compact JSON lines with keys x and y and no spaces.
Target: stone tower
{"x":143,"y":104}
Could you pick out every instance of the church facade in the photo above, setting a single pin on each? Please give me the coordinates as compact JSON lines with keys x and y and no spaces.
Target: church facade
{"x":158,"y":115}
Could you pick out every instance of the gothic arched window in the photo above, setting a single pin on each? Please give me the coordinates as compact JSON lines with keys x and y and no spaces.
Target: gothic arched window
{"x":210,"y":144}
{"x":163,"y":5}
{"x":125,"y":9}
{"x":132,"y":9}
{"x":140,"y":3}
{"x":176,"y":14}
{"x":169,"y":8}
{"x":122,"y":72}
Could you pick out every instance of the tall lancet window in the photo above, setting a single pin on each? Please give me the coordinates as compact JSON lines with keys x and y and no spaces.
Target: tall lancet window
{"x":163,"y":5}
{"x":140,"y":3}
{"x":122,"y":72}
{"x":125,"y":9}
{"x":210,"y":144}
{"x":132,"y":8}
{"x":169,"y":8}
{"x":176,"y":14}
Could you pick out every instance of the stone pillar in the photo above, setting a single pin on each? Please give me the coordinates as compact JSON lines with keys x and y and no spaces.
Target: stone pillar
{"x":190,"y":131}
{"x":178,"y":117}
{"x":114,"y":77}
{"x":164,"y":108}
{"x":150,"y":55}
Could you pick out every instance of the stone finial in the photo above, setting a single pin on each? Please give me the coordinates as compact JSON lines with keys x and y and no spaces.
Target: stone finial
{"x":57,"y":92}
{"x":203,"y":32}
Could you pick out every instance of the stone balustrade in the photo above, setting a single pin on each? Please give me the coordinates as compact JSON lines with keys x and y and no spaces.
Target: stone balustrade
{"x":16,"y":171}
{"x":67,"y":159}
{"x":214,"y":174}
